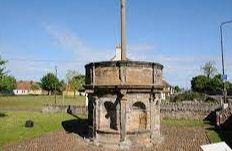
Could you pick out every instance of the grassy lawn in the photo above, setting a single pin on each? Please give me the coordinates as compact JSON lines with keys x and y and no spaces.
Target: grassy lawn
{"x":214,"y":136}
{"x":31,"y":103}
{"x":12,"y":128}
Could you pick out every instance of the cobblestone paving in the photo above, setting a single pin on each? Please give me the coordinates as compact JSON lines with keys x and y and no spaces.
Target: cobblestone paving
{"x":175,"y":139}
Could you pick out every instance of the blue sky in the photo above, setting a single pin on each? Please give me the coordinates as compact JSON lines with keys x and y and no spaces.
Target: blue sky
{"x":182,"y":35}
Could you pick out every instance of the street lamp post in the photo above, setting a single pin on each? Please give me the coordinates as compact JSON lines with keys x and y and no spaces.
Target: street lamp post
{"x":222,"y":54}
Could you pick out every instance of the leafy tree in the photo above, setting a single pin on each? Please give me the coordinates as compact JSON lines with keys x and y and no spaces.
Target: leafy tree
{"x":199,"y":83}
{"x":35,"y":86}
{"x":75,"y":80}
{"x":215,"y":85}
{"x":62,"y":86}
{"x":177,"y":89}
{"x":50,"y":83}
{"x":70,"y":74}
{"x":80,"y":81}
{"x":2,"y":66}
{"x":209,"y":83}
{"x":7,"y":83}
{"x":209,"y":69}
{"x":229,"y":87}
{"x":211,"y":86}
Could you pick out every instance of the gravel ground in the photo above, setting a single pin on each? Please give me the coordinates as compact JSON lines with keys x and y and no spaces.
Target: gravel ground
{"x":175,"y":139}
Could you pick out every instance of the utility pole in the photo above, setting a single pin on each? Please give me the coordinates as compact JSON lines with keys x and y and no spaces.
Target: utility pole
{"x":222,"y":55}
{"x":55,"y":83}
{"x":123,"y":30}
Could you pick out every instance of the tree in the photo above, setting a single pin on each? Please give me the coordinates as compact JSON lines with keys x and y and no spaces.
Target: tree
{"x":75,"y":80}
{"x":70,"y":74}
{"x":35,"y":86}
{"x":215,"y":85}
{"x":7,"y":83}
{"x":2,"y":66}
{"x":177,"y":89}
{"x":79,"y":81}
{"x":199,"y":83}
{"x":211,"y":86}
{"x":229,"y":87}
{"x":62,"y":86}
{"x":210,"y":83}
{"x":209,"y":69}
{"x":50,"y":83}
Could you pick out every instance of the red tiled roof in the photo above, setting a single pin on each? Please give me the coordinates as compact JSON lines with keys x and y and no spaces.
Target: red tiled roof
{"x":24,"y":85}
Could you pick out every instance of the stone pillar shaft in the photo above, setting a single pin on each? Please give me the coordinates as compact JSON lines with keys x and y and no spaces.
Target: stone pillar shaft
{"x":94,"y":118}
{"x":123,"y":30}
{"x":123,"y":120}
{"x":152,"y":117}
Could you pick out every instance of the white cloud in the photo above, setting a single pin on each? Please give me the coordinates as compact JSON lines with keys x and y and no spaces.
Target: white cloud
{"x":68,"y":40}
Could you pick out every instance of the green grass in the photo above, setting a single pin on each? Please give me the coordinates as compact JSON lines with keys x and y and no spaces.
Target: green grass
{"x":12,"y":128}
{"x":174,"y":122}
{"x":214,"y":136}
{"x":31,"y":103}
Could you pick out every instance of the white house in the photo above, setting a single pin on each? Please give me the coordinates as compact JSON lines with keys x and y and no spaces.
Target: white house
{"x":25,"y":88}
{"x":168,"y":90}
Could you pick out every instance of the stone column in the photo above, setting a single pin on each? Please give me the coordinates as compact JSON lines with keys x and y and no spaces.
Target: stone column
{"x":155,"y":117}
{"x":157,"y":101}
{"x":152,"y":116}
{"x":123,"y":102}
{"x":96,"y":116}
{"x":99,"y":114}
{"x":123,"y":120}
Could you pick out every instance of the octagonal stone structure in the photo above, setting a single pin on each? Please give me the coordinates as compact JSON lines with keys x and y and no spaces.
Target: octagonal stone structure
{"x":124,"y":103}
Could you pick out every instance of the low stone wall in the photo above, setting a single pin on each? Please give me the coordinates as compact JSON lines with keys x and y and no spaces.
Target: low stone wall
{"x":64,"y":108}
{"x":188,"y":110}
{"x":183,"y":110}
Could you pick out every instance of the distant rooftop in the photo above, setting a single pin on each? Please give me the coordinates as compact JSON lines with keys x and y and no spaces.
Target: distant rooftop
{"x":118,"y":54}
{"x":24,"y":85}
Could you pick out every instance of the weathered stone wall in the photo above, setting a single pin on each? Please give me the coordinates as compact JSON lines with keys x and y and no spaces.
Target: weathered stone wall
{"x":128,"y":73}
{"x":138,"y":112}
{"x":187,"y":110}
{"x":64,"y":108}
{"x":140,"y":125}
{"x":108,"y":113}
{"x":137,"y":108}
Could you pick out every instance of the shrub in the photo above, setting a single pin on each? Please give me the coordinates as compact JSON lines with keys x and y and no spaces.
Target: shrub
{"x":189,"y":96}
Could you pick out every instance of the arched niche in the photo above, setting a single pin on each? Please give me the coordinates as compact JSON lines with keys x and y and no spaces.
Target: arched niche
{"x":137,"y":117}
{"x":139,"y":106}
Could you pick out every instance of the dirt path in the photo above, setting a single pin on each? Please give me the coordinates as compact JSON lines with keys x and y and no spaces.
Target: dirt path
{"x":175,"y":139}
